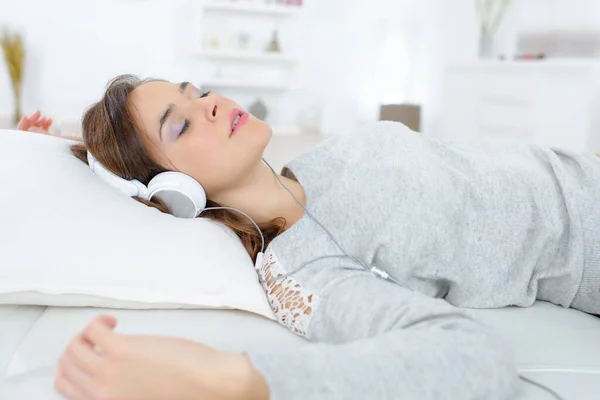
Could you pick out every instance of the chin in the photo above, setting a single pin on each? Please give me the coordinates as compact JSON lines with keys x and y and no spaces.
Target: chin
{"x":262,"y":130}
{"x":252,"y":141}
{"x":263,"y":126}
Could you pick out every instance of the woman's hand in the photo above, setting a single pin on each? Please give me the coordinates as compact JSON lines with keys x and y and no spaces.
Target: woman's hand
{"x":102,"y":364}
{"x":35,"y":123}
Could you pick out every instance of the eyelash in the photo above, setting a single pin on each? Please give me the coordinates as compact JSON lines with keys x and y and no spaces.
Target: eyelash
{"x":186,"y":123}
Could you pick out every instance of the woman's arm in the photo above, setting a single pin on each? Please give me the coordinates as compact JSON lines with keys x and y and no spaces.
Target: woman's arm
{"x":379,"y":341}
{"x":102,"y":364}
{"x":387,"y":342}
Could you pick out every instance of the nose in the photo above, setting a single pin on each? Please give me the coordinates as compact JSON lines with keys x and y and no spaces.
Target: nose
{"x":211,"y":109}
{"x":207,"y":106}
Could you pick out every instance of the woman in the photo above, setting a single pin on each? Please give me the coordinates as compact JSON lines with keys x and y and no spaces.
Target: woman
{"x":451,"y":225}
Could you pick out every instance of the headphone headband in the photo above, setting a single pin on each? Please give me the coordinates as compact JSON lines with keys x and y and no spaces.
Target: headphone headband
{"x":182,"y":194}
{"x":132,"y":188}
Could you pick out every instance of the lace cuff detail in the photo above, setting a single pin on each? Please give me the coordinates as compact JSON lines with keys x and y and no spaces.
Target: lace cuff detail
{"x":291,"y":303}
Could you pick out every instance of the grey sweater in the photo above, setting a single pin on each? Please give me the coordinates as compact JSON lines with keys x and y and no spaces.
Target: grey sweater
{"x":472,"y":226}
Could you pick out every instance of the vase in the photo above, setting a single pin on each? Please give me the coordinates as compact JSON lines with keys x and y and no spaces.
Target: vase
{"x":17,"y":114}
{"x":486,"y":46}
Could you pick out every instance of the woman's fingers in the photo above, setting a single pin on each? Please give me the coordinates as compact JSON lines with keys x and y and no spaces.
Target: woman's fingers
{"x":35,"y":123}
{"x":48,"y":123}
{"x":23,"y":124}
{"x":35,"y":116}
{"x":99,"y":332}
{"x":44,"y":123}
{"x":81,"y":353}
{"x":80,"y":362}
{"x":74,"y":375}
{"x":66,"y":388}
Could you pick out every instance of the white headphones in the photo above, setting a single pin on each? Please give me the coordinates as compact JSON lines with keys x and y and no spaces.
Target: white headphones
{"x":184,"y":196}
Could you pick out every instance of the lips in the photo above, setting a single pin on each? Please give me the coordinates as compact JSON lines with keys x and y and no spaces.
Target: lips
{"x":243,"y":118}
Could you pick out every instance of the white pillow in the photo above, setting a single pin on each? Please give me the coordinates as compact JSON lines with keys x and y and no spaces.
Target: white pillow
{"x":69,"y":239}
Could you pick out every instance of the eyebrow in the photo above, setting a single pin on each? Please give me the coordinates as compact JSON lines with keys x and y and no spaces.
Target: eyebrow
{"x":169,"y":110}
{"x":183,"y":86}
{"x":163,"y":119}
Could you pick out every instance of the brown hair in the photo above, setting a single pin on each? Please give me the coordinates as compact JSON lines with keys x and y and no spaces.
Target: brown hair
{"x":111,"y":135}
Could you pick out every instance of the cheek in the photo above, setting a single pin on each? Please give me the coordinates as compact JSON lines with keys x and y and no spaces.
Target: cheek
{"x":204,"y":158}
{"x":206,"y":146}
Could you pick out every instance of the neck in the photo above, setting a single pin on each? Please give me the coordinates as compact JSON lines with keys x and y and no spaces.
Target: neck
{"x":263,"y":198}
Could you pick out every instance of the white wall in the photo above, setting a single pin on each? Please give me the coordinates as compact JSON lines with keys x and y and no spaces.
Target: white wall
{"x":75,"y":46}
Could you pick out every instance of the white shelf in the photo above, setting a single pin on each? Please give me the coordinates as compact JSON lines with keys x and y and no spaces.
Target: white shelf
{"x":243,"y":8}
{"x":236,"y":55}
{"x":235,"y":84}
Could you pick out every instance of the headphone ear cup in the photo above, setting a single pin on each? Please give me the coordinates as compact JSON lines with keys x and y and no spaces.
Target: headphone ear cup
{"x":184,"y":196}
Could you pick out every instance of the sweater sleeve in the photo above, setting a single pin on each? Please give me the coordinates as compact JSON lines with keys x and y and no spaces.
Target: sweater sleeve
{"x":378,"y":340}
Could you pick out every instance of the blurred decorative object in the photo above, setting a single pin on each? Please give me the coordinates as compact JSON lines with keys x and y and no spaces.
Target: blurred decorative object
{"x":486,"y":46}
{"x":274,"y":45}
{"x":214,"y":43}
{"x":408,"y":114}
{"x":243,"y":40}
{"x":258,"y":109}
{"x":560,"y":43}
{"x":530,"y":57}
{"x":490,"y":13}
{"x":14,"y":54}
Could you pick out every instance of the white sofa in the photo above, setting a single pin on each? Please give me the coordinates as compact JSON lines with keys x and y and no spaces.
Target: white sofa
{"x":557,"y":347}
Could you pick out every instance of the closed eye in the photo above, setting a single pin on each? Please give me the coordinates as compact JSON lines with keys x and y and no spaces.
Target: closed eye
{"x":186,"y":126}
{"x":187,"y":122}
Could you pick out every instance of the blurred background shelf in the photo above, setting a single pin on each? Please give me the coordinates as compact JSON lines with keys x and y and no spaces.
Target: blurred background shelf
{"x":249,"y":56}
{"x":259,"y":9}
{"x":246,"y":53}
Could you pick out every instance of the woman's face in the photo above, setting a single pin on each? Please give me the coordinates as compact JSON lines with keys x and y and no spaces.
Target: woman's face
{"x":207,"y":137}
